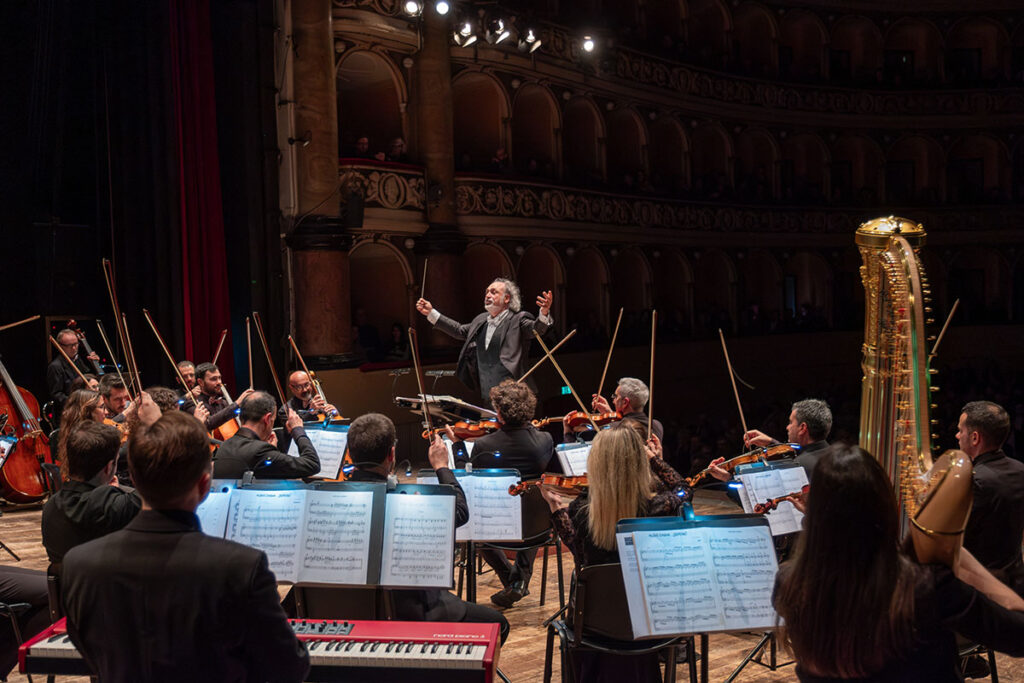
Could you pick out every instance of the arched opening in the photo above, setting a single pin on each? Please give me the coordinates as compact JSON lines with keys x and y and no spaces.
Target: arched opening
{"x":914,"y":170}
{"x":369,"y":104}
{"x":756,"y":159}
{"x":673,"y":294}
{"x":534,"y":121}
{"x":857,"y":165}
{"x":626,"y":145}
{"x":540,"y":270}
{"x":978,"y":171}
{"x":630,"y":291}
{"x":708,"y":28}
{"x":913,"y":53}
{"x":667,"y":150}
{"x":802,"y":171}
{"x":755,"y":40}
{"x":977,"y":49}
{"x":709,"y":159}
{"x":714,"y":292}
{"x":479,"y":108}
{"x":481,"y":264}
{"x":808,"y":291}
{"x":855,"y":52}
{"x":382,"y":297}
{"x":581,"y":132}
{"x":586,"y":296}
{"x":761,"y":305}
{"x":802,"y":40}
{"x":980,"y":278}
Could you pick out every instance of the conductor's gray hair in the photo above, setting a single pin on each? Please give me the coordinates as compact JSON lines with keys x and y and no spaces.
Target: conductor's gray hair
{"x":635,"y":390}
{"x":515,"y":302}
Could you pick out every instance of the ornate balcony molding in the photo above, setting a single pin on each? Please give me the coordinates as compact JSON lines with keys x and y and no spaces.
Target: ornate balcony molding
{"x":389,"y":8}
{"x":535,"y":202}
{"x":383,"y":184}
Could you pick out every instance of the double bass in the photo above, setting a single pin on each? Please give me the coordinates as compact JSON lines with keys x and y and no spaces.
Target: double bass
{"x":22,"y":479}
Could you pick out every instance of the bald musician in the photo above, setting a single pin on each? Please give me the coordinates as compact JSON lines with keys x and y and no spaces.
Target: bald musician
{"x":305,"y":400}
{"x":498,"y":340}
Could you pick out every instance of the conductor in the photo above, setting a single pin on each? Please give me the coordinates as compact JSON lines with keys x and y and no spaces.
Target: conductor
{"x":498,"y":340}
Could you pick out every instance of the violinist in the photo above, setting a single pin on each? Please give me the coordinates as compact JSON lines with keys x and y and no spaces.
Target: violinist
{"x":254,"y":447}
{"x":305,"y":400}
{"x":188,"y":373}
{"x":115,"y":396}
{"x":810,"y":422}
{"x":516,"y":445}
{"x":209,"y":381}
{"x":60,"y":375}
{"x":628,"y":400}
{"x":497,"y":341}
{"x":87,"y":381}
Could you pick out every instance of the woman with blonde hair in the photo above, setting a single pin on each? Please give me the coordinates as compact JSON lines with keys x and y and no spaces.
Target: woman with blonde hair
{"x":620,"y":472}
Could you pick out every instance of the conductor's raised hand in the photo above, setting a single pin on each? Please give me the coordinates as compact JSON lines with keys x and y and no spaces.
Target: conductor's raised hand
{"x":544,"y":302}
{"x":424,"y":307}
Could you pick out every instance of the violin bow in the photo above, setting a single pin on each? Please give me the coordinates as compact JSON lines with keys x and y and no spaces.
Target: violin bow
{"x":611,"y":348}
{"x":732,"y":378}
{"x":546,"y":356}
{"x":414,"y":345}
{"x":68,"y":359}
{"x":565,"y":379}
{"x":163,"y":345}
{"x":20,"y":322}
{"x":650,"y":384}
{"x":108,"y":276}
{"x":935,"y":349}
{"x":110,"y":352}
{"x":133,"y":374}
{"x":266,"y":351}
{"x":248,"y":348}
{"x":423,"y":286}
{"x":317,"y":387}
{"x":220,"y":345}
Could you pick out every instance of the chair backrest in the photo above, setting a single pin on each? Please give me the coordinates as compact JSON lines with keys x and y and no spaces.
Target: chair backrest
{"x":53,"y":476}
{"x":53,"y":591}
{"x":601,"y":605}
{"x":536,"y":515}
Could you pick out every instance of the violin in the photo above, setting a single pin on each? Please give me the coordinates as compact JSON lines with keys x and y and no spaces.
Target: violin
{"x":578,"y":421}
{"x":465,"y":431}
{"x":571,"y":485}
{"x":22,"y":479}
{"x":73,"y":326}
{"x":772,"y":503}
{"x":760,"y":454}
{"x":231,"y":427}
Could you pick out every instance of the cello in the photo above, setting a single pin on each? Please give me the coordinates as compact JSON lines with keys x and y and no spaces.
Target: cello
{"x":22,"y":479}
{"x":96,"y":367}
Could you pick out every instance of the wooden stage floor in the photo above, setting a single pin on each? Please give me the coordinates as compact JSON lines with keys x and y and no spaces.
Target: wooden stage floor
{"x":522,"y":658}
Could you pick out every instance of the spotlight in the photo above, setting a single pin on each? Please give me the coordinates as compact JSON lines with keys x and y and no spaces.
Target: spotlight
{"x":588,"y":44}
{"x":413,"y":8}
{"x":464,"y":35}
{"x":441,"y":7}
{"x":529,"y":41}
{"x":496,"y":31}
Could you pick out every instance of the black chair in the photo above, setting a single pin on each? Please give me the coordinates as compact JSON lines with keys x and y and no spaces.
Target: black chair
{"x":13,"y":610}
{"x":968,"y":649}
{"x":605,"y":626}
{"x":53,"y":591}
{"x":53,"y":476}
{"x":537,"y":533}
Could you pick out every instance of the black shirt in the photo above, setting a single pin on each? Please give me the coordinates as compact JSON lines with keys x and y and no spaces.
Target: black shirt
{"x":996,"y":524}
{"x":220,"y":410}
{"x":522,"y":448}
{"x":80,"y":512}
{"x":245,"y":451}
{"x":60,"y":375}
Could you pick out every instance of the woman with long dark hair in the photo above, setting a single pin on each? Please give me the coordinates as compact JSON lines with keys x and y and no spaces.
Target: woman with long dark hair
{"x":854,"y":607}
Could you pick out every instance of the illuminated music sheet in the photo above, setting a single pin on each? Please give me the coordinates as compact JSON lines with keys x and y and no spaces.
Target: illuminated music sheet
{"x":419,"y":541}
{"x":272,"y":521}
{"x":336,"y":537}
{"x":213,"y":513}
{"x":573,"y":457}
{"x":330,"y":445}
{"x":494,"y":515}
{"x":764,"y":484}
{"x":698,"y":579}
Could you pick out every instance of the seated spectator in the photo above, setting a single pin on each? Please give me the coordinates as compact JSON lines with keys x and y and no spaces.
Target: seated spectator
{"x":399,"y":348}
{"x":396,"y":152}
{"x":499,"y":162}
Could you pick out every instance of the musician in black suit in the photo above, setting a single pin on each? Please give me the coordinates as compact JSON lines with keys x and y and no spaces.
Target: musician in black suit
{"x":497,"y":341}
{"x":254,"y":446}
{"x":629,"y":400}
{"x":210,"y":396}
{"x":161,"y":601}
{"x":371,"y":443}
{"x":996,"y":524}
{"x":517,"y":445}
{"x":60,"y":375}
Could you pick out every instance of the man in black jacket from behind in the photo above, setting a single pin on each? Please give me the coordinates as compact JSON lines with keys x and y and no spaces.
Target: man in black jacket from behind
{"x":160,"y":600}
{"x":254,"y":447}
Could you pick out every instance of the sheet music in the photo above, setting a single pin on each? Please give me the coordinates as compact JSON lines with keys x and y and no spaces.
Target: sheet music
{"x":493,"y":513}
{"x":702,"y":579}
{"x":213,"y":513}
{"x":330,"y":445}
{"x":762,"y":485}
{"x":271,"y":521}
{"x":631,"y":580}
{"x":336,"y":537}
{"x":418,"y":541}
{"x":451,"y":452}
{"x":573,"y":457}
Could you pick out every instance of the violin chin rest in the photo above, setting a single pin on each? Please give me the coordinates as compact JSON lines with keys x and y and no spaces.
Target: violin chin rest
{"x":937,"y":530}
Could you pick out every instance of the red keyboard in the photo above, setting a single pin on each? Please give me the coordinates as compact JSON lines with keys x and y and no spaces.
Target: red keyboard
{"x":338,"y":651}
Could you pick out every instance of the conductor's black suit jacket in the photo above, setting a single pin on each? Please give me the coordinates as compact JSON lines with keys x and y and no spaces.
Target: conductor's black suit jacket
{"x":162,"y":601}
